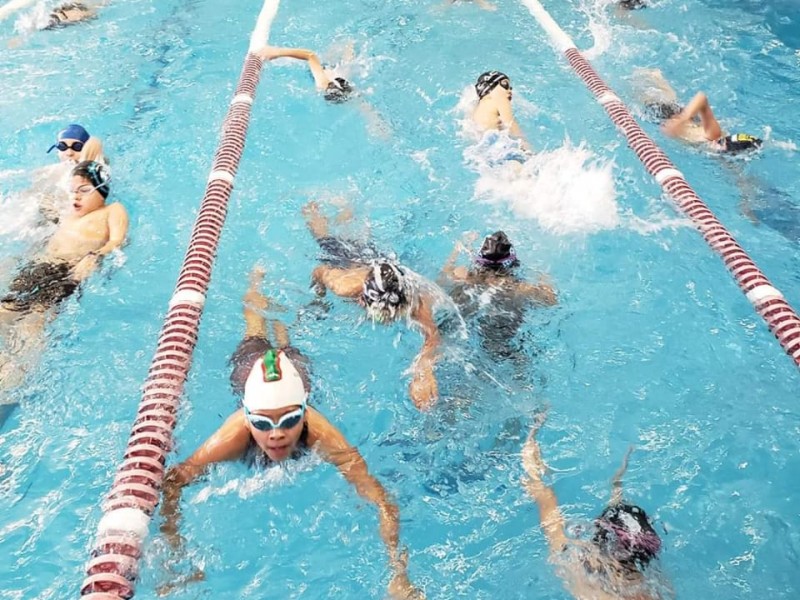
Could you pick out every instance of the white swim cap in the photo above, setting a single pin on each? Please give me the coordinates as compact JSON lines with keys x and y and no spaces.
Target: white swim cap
{"x":273,"y":383}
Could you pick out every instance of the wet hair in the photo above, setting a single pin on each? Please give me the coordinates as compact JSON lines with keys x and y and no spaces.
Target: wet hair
{"x":496,"y":253}
{"x":624,"y":532}
{"x":95,"y":172}
{"x":339,"y":90}
{"x":384,"y":292}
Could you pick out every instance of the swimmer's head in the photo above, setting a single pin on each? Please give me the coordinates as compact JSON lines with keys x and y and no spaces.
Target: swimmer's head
{"x":95,"y":173}
{"x":339,"y":90}
{"x":496,"y":253}
{"x":70,"y":142}
{"x":275,"y":401}
{"x":740,"y":142}
{"x":624,"y":532}
{"x":384,"y":294}
{"x":490,"y":80}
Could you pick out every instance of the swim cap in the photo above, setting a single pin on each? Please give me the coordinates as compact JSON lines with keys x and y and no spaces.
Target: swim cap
{"x":274,"y":382}
{"x":497,"y":252}
{"x":487,"y":82}
{"x":632,"y":4}
{"x":741,"y":141}
{"x":72,"y":132}
{"x":625,"y":532}
{"x":97,"y":173}
{"x":384,"y":290}
{"x":338,"y":90}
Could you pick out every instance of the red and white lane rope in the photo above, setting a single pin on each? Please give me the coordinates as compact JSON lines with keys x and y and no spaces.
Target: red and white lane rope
{"x":112,"y":571}
{"x":766,"y":298}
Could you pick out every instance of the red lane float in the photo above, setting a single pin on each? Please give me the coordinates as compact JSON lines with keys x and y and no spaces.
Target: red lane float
{"x":112,"y":571}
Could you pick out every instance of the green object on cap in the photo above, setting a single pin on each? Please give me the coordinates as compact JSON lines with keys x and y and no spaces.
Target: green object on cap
{"x":272,"y":370}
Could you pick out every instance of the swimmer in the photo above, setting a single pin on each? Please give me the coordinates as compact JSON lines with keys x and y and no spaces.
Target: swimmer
{"x":63,"y":15}
{"x":387,"y":291}
{"x":69,"y":13}
{"x":695,"y":123}
{"x":91,"y":231}
{"x":50,"y":184}
{"x":491,"y":290}
{"x":613,"y":564}
{"x":334,"y":89}
{"x":494,"y":111}
{"x":276,"y":424}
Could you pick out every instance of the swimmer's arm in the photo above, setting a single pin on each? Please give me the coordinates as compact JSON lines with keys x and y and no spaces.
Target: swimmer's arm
{"x":117,"y":228}
{"x":551,"y":519}
{"x":229,"y":442}
{"x":450,"y":272}
{"x":317,"y":71}
{"x":423,"y":389}
{"x":348,"y":283}
{"x":506,"y":115}
{"x":616,"y":481}
{"x":336,"y":450}
{"x":541,"y":293}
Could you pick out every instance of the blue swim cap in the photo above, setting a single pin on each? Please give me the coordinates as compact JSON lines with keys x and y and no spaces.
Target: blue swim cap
{"x":72,"y":132}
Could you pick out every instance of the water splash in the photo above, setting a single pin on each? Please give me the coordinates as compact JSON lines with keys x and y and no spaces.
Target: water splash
{"x":566,"y":190}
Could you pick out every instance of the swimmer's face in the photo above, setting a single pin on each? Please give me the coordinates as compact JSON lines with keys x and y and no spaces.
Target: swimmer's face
{"x":278,"y":443}
{"x":70,"y":154}
{"x":84,"y":197}
{"x":505,"y":86}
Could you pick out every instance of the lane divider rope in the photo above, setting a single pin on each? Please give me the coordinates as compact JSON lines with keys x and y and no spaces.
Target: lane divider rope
{"x":113,"y":568}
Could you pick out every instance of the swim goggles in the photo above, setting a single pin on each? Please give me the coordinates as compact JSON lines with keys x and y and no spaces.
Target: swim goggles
{"x":77,"y":146}
{"x":505,"y":84}
{"x":86,"y":189}
{"x":287,"y":421}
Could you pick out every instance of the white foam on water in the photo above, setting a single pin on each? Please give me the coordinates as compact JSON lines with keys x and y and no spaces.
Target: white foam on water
{"x":567,"y":190}
{"x":33,"y":20}
{"x":597,"y":11}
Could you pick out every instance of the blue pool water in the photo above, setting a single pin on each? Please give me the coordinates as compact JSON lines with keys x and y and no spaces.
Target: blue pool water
{"x":652,"y":343}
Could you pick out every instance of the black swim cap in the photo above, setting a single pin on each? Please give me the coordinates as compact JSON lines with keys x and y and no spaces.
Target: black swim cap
{"x":339,"y":90}
{"x":497,"y":252}
{"x":740,"y":142}
{"x":632,"y":4}
{"x":384,"y":290}
{"x":487,"y":82}
{"x":97,"y":173}
{"x":625,"y":533}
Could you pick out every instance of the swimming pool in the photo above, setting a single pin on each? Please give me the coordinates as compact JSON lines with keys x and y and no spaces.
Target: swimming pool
{"x":652,"y":342}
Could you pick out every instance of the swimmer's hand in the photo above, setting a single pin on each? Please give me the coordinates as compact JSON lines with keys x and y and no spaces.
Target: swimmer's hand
{"x":400,"y":588}
{"x":85,"y":267}
{"x":423,"y":389}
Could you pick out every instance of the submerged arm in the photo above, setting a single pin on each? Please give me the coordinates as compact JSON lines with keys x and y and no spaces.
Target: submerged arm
{"x":353,"y":468}
{"x":616,"y":481}
{"x":552,"y":521}
{"x":229,"y":442}
{"x":423,"y":389}
{"x":541,"y":293}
